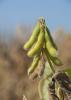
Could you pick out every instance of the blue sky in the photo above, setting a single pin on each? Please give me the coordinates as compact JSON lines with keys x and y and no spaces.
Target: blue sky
{"x":56,"y":12}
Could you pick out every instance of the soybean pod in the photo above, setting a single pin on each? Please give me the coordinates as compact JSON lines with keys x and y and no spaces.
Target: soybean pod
{"x":48,"y":43}
{"x":38,"y":45}
{"x":52,"y":51}
{"x":34,"y":64}
{"x":47,"y":38}
{"x":56,"y":61}
{"x":51,"y":39}
{"x":33,"y":37}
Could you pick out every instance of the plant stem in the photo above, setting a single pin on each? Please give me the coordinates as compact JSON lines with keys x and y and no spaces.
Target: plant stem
{"x":49,"y":61}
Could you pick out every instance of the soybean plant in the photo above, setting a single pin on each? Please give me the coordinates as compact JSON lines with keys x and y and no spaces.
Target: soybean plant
{"x":43,"y":49}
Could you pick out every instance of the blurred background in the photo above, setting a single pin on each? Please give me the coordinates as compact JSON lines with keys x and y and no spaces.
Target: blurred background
{"x":17,"y":20}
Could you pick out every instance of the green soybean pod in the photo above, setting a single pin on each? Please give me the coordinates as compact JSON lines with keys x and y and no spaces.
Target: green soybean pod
{"x":47,"y":38}
{"x":38,"y":45}
{"x":33,"y":37}
{"x":51,"y":39}
{"x":34,"y":64}
{"x":56,"y":61}
{"x":52,"y":51}
{"x":53,"y":57}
